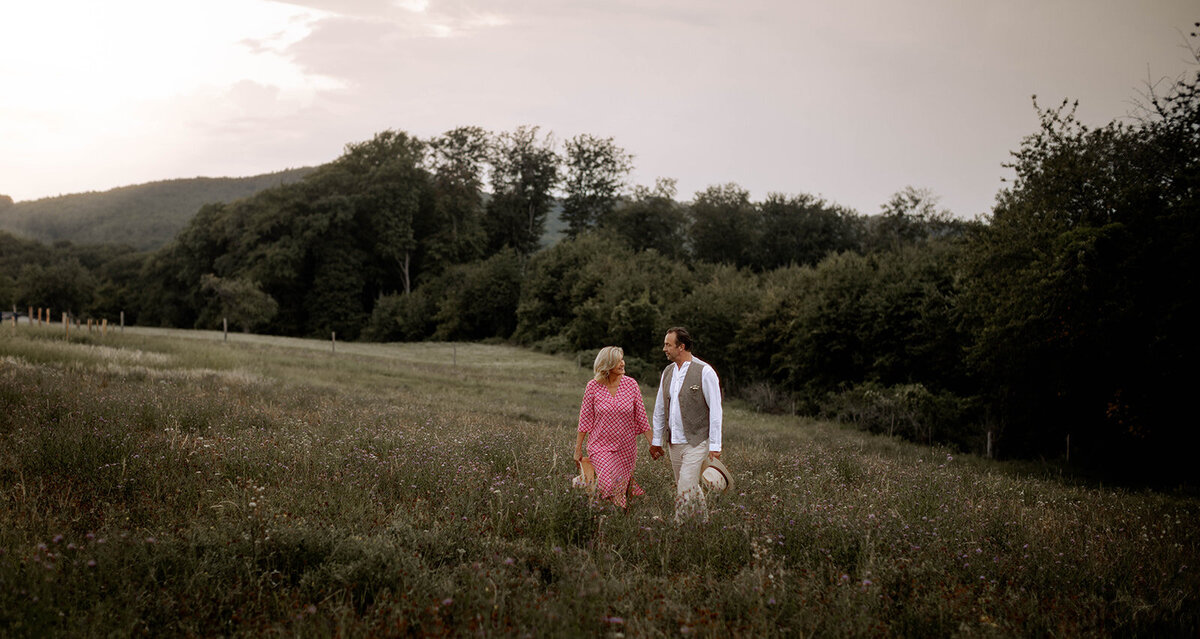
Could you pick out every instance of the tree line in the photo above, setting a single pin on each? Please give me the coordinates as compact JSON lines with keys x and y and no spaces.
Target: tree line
{"x":1067,"y":315}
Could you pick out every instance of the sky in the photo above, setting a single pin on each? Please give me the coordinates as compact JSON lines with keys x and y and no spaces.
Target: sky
{"x":851,"y":100}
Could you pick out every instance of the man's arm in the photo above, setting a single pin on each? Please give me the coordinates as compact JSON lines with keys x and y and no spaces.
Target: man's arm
{"x":660,"y":421}
{"x":711,"y":386}
{"x":660,"y":417}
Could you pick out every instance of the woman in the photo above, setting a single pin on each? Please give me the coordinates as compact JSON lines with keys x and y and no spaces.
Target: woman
{"x":611,"y":418}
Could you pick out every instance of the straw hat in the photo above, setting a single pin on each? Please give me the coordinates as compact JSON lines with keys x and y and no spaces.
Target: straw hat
{"x":716,"y":476}
{"x":586,"y":478}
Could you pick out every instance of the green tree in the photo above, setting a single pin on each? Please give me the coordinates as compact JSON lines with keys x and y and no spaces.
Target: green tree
{"x":651,"y":219}
{"x":119,"y":283}
{"x":595,"y":173}
{"x":803,"y":229}
{"x":241,"y":301}
{"x":524,"y":171}
{"x":715,"y":310}
{"x":910,"y":216}
{"x":62,"y":286}
{"x":458,"y":162}
{"x":1078,"y":288}
{"x":724,"y":225}
{"x":554,"y":289}
{"x":387,"y":188}
{"x":479,"y":300}
{"x":404,"y":318}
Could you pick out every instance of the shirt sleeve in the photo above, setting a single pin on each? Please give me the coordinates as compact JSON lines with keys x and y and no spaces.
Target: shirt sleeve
{"x":640,"y":423}
{"x":660,"y":418}
{"x":712,"y":394}
{"x":587,"y":410}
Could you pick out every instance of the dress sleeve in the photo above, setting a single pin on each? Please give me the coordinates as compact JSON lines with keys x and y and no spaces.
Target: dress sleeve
{"x":587,"y":410}
{"x":640,"y":423}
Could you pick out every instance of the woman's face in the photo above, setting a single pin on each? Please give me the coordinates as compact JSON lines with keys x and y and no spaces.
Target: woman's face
{"x":617,"y":370}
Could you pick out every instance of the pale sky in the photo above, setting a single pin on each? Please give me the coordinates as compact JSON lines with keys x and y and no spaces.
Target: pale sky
{"x":850,"y":100}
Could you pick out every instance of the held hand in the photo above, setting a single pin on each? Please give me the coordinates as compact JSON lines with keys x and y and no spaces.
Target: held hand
{"x":578,"y":455}
{"x":656,"y":452}
{"x":714,"y":454}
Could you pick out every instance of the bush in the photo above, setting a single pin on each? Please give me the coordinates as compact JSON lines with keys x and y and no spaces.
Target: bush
{"x":910,"y":411}
{"x":401,"y":318}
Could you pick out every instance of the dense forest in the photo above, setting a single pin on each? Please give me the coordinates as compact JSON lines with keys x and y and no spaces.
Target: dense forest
{"x":144,"y":216}
{"x":1066,"y":318}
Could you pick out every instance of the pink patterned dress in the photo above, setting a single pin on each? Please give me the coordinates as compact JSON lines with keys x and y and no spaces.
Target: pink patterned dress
{"x":613,"y":425}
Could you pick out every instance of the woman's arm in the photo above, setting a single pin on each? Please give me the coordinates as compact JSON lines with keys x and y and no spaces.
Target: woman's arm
{"x":579,"y":445}
{"x":587,"y":418}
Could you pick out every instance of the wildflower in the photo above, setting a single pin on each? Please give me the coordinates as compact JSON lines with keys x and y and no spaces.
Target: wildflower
{"x":447,"y":601}
{"x":616,"y":620}
{"x":57,"y":539}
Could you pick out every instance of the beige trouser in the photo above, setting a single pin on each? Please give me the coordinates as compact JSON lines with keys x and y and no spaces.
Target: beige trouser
{"x":687,"y":461}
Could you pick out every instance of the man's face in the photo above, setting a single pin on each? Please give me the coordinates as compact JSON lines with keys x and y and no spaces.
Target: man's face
{"x":672,"y":348}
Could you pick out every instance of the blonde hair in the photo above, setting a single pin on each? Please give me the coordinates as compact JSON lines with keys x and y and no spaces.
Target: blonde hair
{"x":606,"y":360}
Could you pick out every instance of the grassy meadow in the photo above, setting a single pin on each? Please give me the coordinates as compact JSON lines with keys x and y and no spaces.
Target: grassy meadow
{"x":158,"y":482}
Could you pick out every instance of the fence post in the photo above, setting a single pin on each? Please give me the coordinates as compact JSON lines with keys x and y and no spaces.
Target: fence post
{"x":989,"y":448}
{"x":333,"y":342}
{"x":225,"y":327}
{"x":122,"y":321}
{"x":66,"y":326}
{"x":104,"y":327}
{"x":1068,"y":448}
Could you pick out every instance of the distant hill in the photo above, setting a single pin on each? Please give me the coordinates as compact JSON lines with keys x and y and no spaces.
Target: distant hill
{"x":144,"y":216}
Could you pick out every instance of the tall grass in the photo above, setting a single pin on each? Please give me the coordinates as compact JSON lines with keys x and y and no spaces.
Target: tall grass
{"x":167,"y":482}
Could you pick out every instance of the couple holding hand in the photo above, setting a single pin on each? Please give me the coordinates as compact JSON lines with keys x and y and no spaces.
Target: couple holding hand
{"x":687,"y":423}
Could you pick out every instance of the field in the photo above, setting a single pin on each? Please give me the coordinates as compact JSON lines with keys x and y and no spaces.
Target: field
{"x":166,"y":482}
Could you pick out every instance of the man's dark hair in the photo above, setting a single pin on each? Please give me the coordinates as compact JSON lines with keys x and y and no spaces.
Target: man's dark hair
{"x":682,"y":337}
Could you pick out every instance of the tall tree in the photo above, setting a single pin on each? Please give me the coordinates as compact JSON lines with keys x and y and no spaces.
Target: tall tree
{"x":724,"y":225}
{"x":64,"y":285}
{"x":1080,"y":287}
{"x":911,"y":215}
{"x":651,"y":219}
{"x":524,"y":171}
{"x":458,"y":161}
{"x":803,"y":229}
{"x":387,"y":187}
{"x":241,"y":301}
{"x":596,"y":169}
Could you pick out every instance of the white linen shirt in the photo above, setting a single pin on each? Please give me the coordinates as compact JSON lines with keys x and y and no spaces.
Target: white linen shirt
{"x":710,"y":385}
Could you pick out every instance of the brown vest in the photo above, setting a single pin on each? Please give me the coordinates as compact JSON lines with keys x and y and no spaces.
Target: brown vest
{"x":693,"y":407}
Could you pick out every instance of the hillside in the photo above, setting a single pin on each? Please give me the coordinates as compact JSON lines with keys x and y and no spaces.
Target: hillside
{"x":168,"y":482}
{"x":144,"y":216}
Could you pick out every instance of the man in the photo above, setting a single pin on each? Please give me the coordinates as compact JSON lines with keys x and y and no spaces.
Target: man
{"x":688,"y":407}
